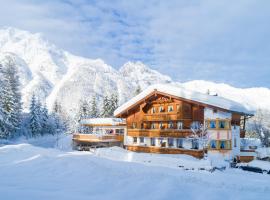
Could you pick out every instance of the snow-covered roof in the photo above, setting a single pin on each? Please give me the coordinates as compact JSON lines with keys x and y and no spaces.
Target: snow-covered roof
{"x":181,"y":92}
{"x":103,"y":121}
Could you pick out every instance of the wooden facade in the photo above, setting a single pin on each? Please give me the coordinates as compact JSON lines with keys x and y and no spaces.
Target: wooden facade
{"x":162,"y":117}
{"x":195,"y":153}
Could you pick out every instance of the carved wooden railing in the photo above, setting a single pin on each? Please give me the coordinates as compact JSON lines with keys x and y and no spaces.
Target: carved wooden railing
{"x":159,"y":133}
{"x":97,"y":138}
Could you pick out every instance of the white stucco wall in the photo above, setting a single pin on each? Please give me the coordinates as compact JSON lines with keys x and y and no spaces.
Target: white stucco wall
{"x":219,"y":134}
{"x":210,"y":114}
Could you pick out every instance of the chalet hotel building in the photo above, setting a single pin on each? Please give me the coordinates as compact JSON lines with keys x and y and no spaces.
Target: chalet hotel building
{"x":173,"y":120}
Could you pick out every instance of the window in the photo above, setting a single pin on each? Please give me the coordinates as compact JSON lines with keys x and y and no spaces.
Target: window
{"x":161,"y":109}
{"x":153,"y":110}
{"x":161,"y":125}
{"x":222,"y":144}
{"x":134,"y":125}
{"x":170,"y":108}
{"x":153,"y":141}
{"x":109,"y":131}
{"x":179,"y":143}
{"x":162,"y":143}
{"x":213,"y":144}
{"x":153,"y":125}
{"x":141,"y":139}
{"x":235,"y":142}
{"x":170,"y":125}
{"x":212,"y":124}
{"x":170,"y":142}
{"x":120,"y":131}
{"x":179,"y":125}
{"x":195,"y":144}
{"x":134,"y":139}
{"x":222,"y":124}
{"x":195,"y":125}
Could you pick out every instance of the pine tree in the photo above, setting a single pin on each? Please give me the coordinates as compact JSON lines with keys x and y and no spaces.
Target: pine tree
{"x":106,"y":107}
{"x":11,"y":98}
{"x":114,"y":104}
{"x":35,"y":125}
{"x":93,"y":109}
{"x":44,"y":119}
{"x":84,"y":110}
{"x":109,"y":105}
{"x":57,"y":116}
{"x":2,"y":117}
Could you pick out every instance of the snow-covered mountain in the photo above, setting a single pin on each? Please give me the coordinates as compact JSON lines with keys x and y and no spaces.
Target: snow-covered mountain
{"x":56,"y":75}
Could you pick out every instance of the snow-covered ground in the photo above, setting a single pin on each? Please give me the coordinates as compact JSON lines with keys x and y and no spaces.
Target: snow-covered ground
{"x":28,"y":171}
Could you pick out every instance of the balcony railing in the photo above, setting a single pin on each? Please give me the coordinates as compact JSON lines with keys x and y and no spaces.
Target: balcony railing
{"x":162,"y":117}
{"x":159,"y":133}
{"x":97,"y":138}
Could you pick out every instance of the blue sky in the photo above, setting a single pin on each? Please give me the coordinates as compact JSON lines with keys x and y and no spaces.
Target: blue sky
{"x":222,"y":41}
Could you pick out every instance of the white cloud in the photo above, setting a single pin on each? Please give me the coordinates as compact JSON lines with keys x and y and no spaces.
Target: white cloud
{"x":225,"y":41}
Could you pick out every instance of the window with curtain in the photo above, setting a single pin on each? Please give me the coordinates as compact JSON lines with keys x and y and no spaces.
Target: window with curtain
{"x":222,"y":144}
{"x":213,"y":144}
{"x":222,"y":124}
{"x":179,"y":142}
{"x":161,"y":125}
{"x":212,"y":124}
{"x":170,"y":125}
{"x":179,"y":125}
{"x":153,"y":141}
{"x":170,"y":108}
{"x":170,"y":142}
{"x":161,"y":109}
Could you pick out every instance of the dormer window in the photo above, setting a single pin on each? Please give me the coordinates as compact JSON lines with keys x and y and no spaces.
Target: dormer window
{"x":170,"y":108}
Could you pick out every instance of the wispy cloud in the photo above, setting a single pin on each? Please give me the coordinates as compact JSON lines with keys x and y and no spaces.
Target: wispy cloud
{"x":224,"y":41}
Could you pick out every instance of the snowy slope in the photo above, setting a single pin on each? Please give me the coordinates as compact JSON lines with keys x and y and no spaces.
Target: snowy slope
{"x":54,"y":74}
{"x":31,"y":172}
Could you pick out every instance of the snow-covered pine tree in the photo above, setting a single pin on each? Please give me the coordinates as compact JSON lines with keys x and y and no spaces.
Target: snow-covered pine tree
{"x":109,"y":105}
{"x":44,"y":119}
{"x":106,"y":107}
{"x":11,"y":98}
{"x":84,"y":110}
{"x":114,"y":103}
{"x":57,"y":117}
{"x":93,"y":108}
{"x":35,"y":123}
{"x":3,"y":131}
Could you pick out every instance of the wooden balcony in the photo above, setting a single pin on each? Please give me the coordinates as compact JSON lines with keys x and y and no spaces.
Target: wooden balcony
{"x":162,"y":117}
{"x":161,"y":150}
{"x":159,"y":133}
{"x":97,"y":138}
